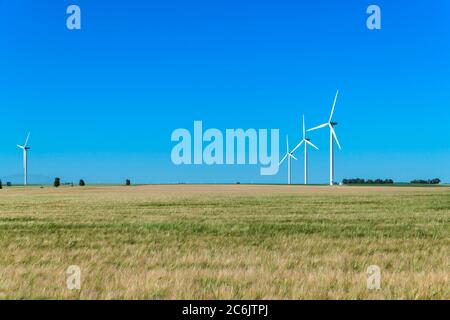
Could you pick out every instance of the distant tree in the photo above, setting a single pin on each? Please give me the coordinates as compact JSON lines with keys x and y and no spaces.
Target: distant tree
{"x":57,"y":182}
{"x":8,"y":184}
{"x":435,"y":181}
{"x":82,"y":184}
{"x":1,"y":187}
{"x":128,"y":182}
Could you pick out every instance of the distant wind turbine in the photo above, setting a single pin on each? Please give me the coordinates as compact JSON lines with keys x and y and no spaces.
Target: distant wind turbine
{"x":25,"y":149}
{"x":288,"y":156}
{"x":305,"y":141}
{"x":333,"y":136}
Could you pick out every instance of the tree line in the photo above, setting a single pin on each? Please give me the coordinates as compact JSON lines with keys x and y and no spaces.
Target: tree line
{"x":388,"y":181}
{"x":368,"y":181}
{"x":81,"y":183}
{"x":429,"y":181}
{"x":57,"y":183}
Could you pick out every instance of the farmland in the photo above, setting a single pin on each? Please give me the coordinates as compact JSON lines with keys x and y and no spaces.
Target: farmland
{"x":225,"y":242}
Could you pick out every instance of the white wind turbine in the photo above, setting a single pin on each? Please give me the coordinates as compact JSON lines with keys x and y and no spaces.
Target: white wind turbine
{"x":25,"y":149}
{"x":330,"y":124}
{"x":305,"y":141}
{"x":288,"y":156}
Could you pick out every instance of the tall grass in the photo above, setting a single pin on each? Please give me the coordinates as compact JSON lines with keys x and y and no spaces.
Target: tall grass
{"x":225,"y":242}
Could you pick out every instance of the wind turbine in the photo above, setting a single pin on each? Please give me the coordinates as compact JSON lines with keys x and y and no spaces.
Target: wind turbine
{"x":288,"y":156}
{"x":25,"y":149}
{"x":305,"y":141}
{"x":333,"y":136}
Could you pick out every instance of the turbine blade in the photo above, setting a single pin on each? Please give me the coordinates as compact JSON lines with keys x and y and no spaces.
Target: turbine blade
{"x":298,"y":146}
{"x":292,"y":156}
{"x":334,"y":104}
{"x":287,"y":144}
{"x":318,"y":127}
{"x":21,"y":147}
{"x":26,"y":141}
{"x":335,"y":137}
{"x":304,"y":133}
{"x":311,"y":144}
{"x":282,"y":160}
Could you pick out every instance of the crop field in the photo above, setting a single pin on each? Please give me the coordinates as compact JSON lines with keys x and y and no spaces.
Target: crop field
{"x":225,"y":242}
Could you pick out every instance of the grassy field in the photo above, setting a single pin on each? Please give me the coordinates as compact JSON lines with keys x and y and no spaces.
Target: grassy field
{"x":225,"y":242}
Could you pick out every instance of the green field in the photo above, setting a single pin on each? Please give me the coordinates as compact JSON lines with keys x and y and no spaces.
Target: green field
{"x":225,"y":242}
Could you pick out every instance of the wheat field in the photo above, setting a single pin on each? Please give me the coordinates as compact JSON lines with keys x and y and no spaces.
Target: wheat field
{"x":225,"y":242}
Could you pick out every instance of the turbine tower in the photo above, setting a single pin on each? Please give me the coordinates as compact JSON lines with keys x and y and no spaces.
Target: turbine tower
{"x":333,"y":136}
{"x":305,"y":141}
{"x":288,"y":156}
{"x":25,"y":149}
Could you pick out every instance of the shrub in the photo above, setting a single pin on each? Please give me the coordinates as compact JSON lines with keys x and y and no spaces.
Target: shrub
{"x":82,"y":184}
{"x":128,"y":182}
{"x":57,"y":182}
{"x":435,"y":181}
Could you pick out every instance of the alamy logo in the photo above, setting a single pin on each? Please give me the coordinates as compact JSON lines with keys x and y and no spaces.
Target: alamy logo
{"x":73,"y":280}
{"x":373,"y":22}
{"x":235,"y":146}
{"x":73,"y":21}
{"x":373,"y":277}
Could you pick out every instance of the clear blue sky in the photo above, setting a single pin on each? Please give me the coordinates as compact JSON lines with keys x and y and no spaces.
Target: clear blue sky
{"x":102,"y":102}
